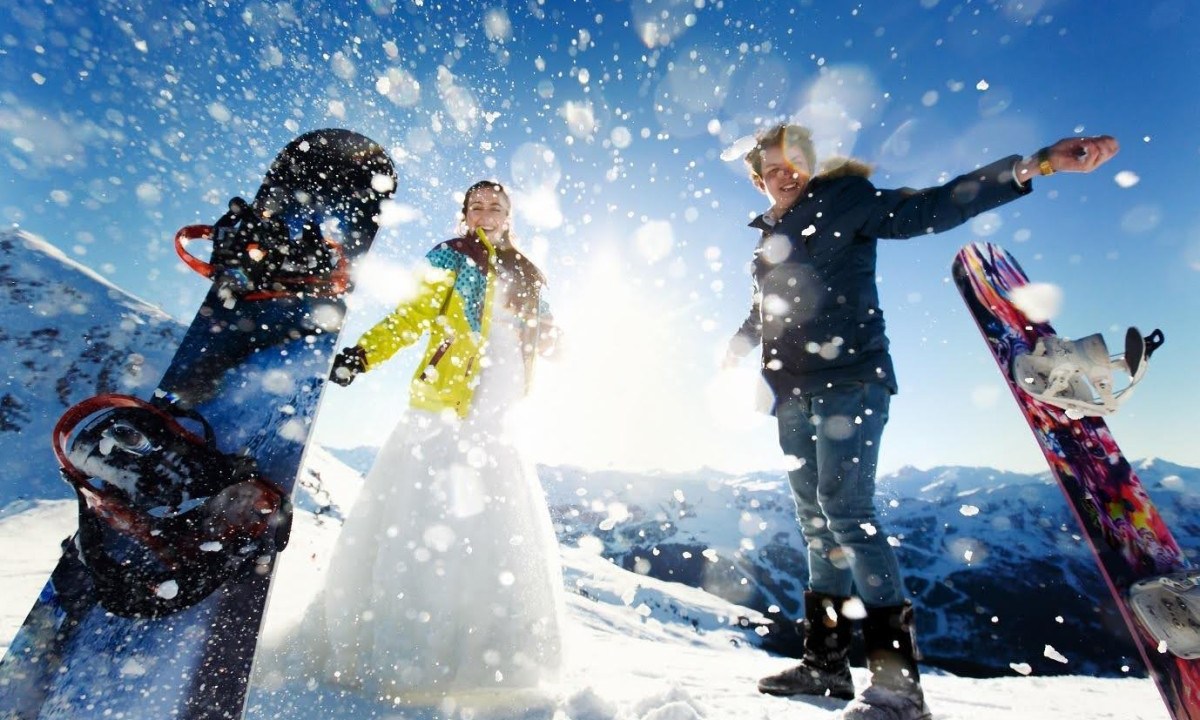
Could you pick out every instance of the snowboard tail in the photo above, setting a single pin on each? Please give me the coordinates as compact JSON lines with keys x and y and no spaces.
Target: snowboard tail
{"x":155,"y":606}
{"x":1128,"y":537}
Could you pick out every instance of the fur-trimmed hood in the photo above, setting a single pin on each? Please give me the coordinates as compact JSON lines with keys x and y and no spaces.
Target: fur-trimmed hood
{"x":839,"y":167}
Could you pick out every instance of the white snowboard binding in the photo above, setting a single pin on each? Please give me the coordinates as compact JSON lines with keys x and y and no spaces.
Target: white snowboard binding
{"x":1168,"y":607}
{"x":1077,"y":375}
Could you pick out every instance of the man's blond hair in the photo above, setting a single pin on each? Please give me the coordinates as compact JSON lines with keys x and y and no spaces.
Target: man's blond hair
{"x":781,"y":136}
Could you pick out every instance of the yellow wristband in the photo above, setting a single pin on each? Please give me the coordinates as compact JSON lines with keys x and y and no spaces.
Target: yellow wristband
{"x":1043,"y":161}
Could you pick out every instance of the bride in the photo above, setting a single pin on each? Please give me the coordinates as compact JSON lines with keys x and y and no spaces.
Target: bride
{"x":445,"y":578}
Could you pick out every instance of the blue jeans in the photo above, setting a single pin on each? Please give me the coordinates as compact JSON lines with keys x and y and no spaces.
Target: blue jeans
{"x":832,"y":438}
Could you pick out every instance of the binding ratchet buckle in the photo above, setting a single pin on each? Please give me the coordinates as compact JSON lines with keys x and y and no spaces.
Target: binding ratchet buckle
{"x":1168,"y":607}
{"x":1077,"y":375}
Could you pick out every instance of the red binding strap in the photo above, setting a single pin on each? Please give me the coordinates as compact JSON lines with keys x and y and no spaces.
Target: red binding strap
{"x":79,"y":412}
{"x":194,"y":232}
{"x":337,"y":284}
{"x":107,"y":505}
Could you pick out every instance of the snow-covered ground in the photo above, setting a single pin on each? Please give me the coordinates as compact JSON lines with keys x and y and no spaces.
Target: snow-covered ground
{"x":638,"y":649}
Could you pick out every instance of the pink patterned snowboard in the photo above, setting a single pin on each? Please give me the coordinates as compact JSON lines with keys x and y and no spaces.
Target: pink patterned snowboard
{"x":1128,"y":537}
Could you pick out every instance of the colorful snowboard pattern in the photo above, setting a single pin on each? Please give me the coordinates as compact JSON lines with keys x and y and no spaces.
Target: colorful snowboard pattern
{"x":239,"y":399}
{"x":1127,"y":536}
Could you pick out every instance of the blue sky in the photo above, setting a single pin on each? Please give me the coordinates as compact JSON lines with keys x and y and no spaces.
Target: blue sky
{"x":121,"y":122}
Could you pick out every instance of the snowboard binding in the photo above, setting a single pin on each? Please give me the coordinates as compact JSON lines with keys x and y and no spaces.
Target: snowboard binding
{"x":164,"y":517}
{"x":256,"y":257}
{"x":1077,"y":375}
{"x":1168,"y":607}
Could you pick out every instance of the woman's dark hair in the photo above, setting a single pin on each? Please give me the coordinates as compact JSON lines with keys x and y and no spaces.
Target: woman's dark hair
{"x":527,"y":278}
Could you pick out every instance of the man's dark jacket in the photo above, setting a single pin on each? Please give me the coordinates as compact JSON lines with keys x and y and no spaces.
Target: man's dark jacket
{"x":816,"y":306}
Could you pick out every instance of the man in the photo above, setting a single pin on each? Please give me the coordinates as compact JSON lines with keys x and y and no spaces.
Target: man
{"x":825,"y":357}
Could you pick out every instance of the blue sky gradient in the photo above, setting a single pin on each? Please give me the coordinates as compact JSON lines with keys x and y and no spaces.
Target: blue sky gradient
{"x":121,"y":122}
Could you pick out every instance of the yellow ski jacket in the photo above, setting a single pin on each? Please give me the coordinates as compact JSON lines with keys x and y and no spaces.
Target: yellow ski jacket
{"x":453,"y":304}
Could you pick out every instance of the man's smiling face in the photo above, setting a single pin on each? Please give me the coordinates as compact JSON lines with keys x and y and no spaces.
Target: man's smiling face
{"x":785,"y":173}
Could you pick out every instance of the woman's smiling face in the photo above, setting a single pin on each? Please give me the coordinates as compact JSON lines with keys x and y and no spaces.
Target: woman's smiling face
{"x":488,"y":209}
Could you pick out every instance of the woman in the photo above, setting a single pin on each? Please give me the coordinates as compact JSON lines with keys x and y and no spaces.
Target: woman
{"x":445,"y":579}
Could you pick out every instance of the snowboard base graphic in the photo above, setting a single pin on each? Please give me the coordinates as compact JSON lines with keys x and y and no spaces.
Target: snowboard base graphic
{"x":1133,"y":548}
{"x":184,"y":497}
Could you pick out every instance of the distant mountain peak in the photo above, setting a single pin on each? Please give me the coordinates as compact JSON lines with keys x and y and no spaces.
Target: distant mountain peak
{"x":68,"y":334}
{"x":17,"y":245}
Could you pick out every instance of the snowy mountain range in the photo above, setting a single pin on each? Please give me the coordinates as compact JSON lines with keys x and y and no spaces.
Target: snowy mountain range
{"x":993,"y":559}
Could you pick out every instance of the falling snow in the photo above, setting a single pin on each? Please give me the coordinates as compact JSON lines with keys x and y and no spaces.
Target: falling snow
{"x":620,"y":131}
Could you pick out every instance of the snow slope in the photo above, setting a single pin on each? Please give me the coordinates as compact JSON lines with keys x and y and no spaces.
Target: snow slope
{"x":637,"y":648}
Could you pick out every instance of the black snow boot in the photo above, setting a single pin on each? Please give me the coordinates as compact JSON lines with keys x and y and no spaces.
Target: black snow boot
{"x":824,"y":670}
{"x":889,"y":635}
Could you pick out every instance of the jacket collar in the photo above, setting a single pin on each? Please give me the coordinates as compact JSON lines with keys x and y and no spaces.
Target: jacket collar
{"x":831,"y":170}
{"x":477,"y":248}
{"x":483,"y":238}
{"x":763,"y":223}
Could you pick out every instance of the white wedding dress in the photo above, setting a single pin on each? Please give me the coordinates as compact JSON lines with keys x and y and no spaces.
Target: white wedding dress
{"x":445,"y":578}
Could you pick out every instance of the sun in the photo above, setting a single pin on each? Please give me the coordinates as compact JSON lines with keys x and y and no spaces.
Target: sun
{"x":636,"y":384}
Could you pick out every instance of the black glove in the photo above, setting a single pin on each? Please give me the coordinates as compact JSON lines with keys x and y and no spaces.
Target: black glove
{"x":349,"y":362}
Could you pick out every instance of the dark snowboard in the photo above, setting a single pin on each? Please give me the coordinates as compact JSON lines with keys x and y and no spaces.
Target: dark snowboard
{"x":1129,"y":539}
{"x":184,"y":497}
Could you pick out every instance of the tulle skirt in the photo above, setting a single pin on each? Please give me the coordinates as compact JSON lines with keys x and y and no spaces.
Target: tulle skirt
{"x":445,"y":577}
